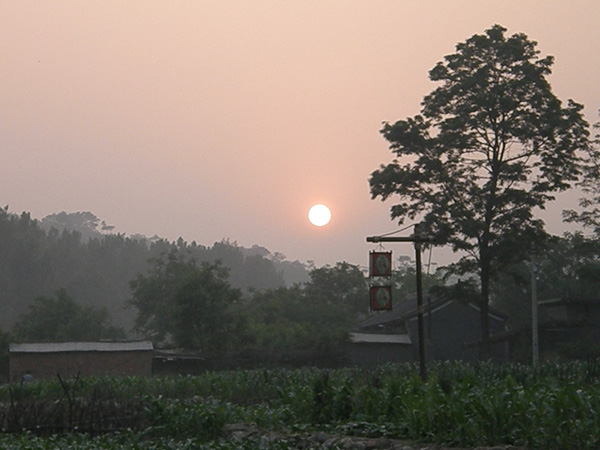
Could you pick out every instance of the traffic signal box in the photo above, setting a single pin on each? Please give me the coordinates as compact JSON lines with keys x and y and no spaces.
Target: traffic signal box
{"x":380,"y":280}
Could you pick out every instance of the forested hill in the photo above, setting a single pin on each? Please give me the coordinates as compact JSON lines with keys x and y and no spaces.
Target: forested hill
{"x":79,"y":253}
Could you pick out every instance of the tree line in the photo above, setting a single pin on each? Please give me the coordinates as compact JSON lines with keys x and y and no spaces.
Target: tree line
{"x":77,"y":283}
{"x":95,"y":269}
{"x":179,"y":301}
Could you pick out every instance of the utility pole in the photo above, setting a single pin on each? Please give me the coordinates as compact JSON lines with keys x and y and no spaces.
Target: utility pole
{"x":418,"y":239}
{"x":534,"y":315}
{"x":418,"y":246}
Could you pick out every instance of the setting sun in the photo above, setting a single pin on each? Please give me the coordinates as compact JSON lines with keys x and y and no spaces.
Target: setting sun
{"x":319,"y":215}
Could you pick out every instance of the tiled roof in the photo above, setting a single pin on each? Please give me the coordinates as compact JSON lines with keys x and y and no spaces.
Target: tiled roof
{"x":407,"y":310}
{"x":379,"y":338}
{"x":100,"y":346}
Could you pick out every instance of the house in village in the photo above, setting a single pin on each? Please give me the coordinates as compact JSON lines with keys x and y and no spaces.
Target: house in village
{"x":46,"y":360}
{"x":451,"y":329}
{"x":569,"y":328}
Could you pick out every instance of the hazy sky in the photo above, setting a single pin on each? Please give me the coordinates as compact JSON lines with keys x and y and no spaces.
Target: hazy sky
{"x":229,"y":119}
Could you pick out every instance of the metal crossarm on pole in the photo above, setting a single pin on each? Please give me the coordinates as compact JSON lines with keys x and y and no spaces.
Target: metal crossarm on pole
{"x":420,"y":239}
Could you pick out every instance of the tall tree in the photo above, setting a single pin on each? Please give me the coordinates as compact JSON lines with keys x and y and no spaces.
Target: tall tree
{"x":492,"y":144}
{"x":184,"y":303}
{"x":87,"y":224}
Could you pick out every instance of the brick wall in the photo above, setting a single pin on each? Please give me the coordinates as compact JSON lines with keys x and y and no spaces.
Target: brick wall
{"x":47,"y":365}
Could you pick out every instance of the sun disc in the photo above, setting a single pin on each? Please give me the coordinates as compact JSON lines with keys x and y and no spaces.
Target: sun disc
{"x":319,"y":215}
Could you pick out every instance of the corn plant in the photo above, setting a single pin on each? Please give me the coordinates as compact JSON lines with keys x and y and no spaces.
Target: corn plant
{"x":555,"y":406}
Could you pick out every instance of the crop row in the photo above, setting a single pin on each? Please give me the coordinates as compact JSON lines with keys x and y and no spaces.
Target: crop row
{"x":552,"y":406}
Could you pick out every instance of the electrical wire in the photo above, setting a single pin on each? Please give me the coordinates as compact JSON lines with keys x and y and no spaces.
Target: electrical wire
{"x":429,"y":260}
{"x":381,"y":247}
{"x":397,"y":231}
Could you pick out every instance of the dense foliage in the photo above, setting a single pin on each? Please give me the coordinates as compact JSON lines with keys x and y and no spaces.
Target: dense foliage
{"x":588,"y":213}
{"x":61,"y":318}
{"x":308,"y":324}
{"x":58,"y":286}
{"x":192,"y":306}
{"x":492,"y":144}
{"x":567,"y":270}
{"x":37,"y":259}
{"x":551,"y":407}
{"x":185,"y":304}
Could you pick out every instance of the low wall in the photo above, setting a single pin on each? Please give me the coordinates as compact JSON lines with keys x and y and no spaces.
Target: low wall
{"x":48,"y":365}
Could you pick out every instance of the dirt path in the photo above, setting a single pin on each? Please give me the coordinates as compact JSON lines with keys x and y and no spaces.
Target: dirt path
{"x":321,"y":440}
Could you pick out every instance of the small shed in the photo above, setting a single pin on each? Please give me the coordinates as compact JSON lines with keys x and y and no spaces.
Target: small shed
{"x":371,"y":345}
{"x":46,"y":360}
{"x":569,"y":327}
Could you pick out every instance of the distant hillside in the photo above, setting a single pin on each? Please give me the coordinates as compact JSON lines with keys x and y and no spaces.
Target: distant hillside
{"x":80,"y":253}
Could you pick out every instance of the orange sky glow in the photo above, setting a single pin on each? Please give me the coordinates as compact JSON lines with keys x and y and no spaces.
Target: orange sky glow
{"x":225,"y":119}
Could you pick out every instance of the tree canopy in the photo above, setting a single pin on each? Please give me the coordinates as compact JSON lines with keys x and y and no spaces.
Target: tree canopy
{"x":589,"y":213}
{"x":62,"y":319}
{"x":491,"y":146}
{"x":37,"y":259}
{"x":307,"y":323}
{"x":343,"y":286}
{"x":185,"y":304}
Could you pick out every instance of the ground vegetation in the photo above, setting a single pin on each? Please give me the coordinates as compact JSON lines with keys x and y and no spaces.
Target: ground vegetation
{"x":553,"y":406}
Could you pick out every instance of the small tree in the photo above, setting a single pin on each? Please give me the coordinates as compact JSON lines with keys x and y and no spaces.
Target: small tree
{"x":61,"y":319}
{"x":404,"y":279}
{"x":492,"y":144}
{"x":343,"y":286}
{"x":309,"y":323}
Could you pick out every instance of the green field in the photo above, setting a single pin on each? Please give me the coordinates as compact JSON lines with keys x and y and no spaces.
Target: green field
{"x":555,"y":406}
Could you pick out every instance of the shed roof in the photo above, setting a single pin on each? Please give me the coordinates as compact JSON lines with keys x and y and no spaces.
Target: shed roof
{"x":569,"y":301}
{"x":100,"y":346}
{"x":379,"y":338}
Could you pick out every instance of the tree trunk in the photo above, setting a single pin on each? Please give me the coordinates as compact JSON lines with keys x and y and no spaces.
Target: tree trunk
{"x":485,"y":348}
{"x":485,"y":351}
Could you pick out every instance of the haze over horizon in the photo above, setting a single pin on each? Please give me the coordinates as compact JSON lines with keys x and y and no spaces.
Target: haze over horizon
{"x":216,"y":120}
